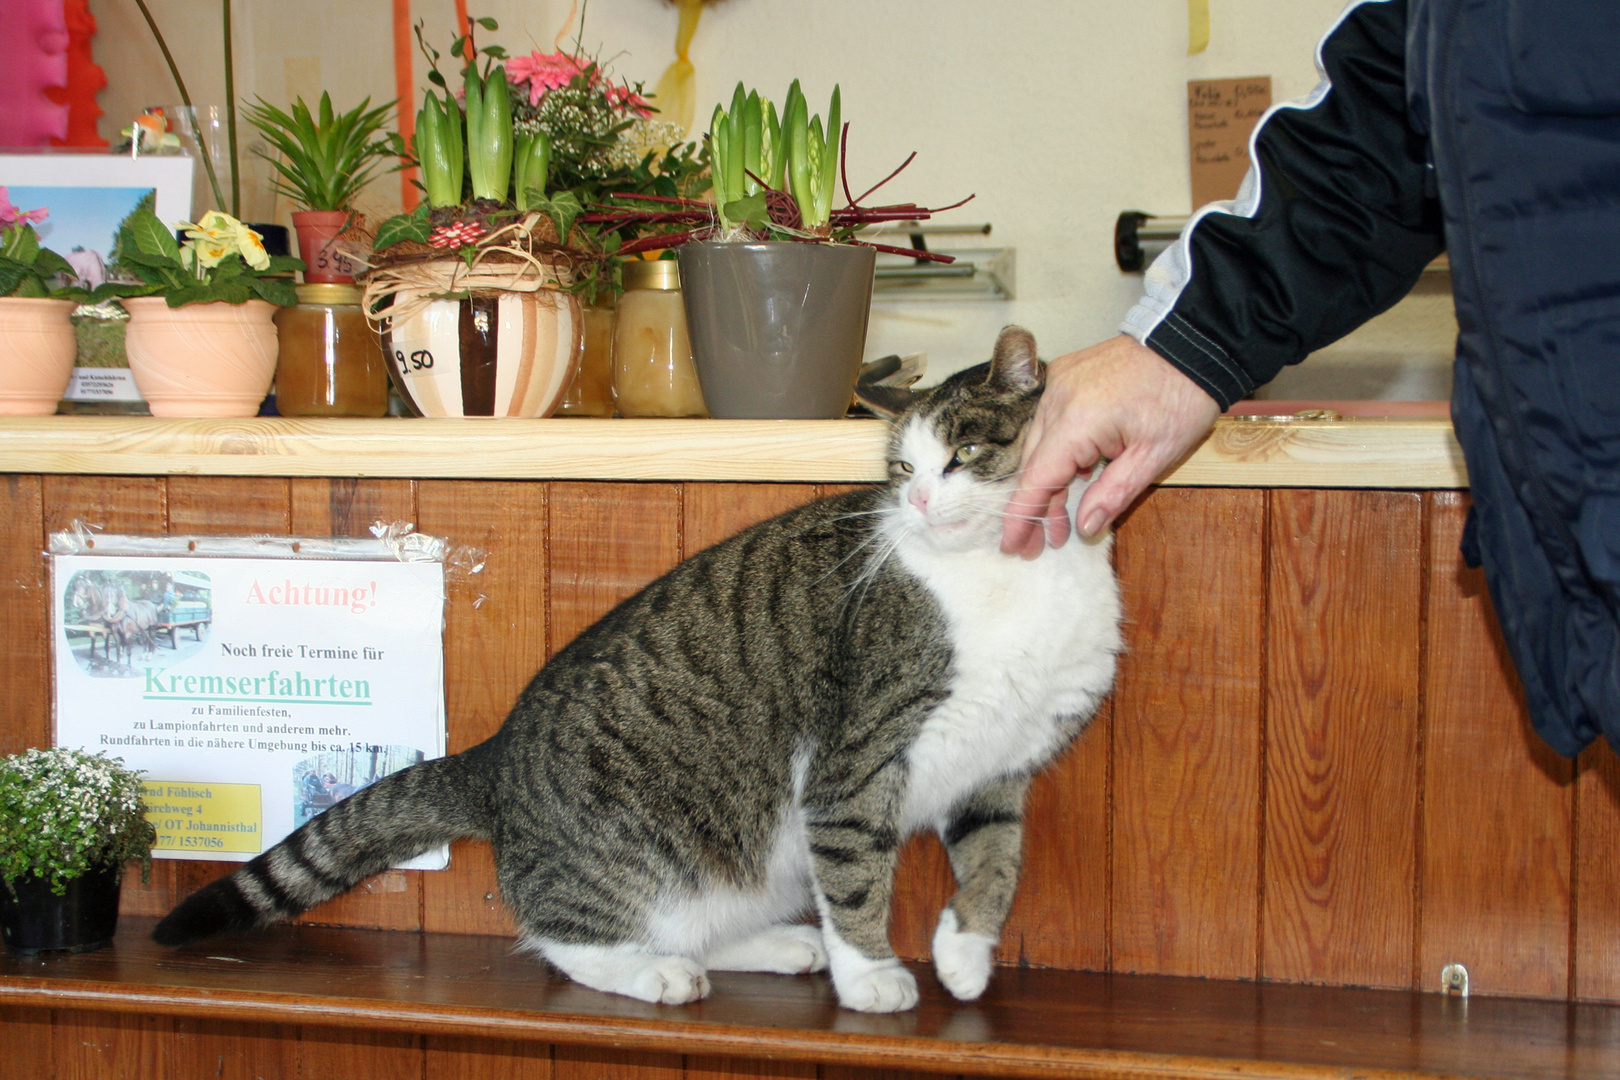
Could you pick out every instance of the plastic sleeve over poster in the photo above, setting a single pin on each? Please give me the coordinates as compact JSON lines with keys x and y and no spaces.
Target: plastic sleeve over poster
{"x":255,"y":682}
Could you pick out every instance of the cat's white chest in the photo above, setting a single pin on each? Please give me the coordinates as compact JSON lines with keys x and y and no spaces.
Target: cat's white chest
{"x":1033,"y":647}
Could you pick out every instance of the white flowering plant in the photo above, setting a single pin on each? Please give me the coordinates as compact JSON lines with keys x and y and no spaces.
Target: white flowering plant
{"x":220,"y":260}
{"x":64,"y":812}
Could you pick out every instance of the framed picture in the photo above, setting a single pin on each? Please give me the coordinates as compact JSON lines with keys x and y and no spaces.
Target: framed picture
{"x":89,"y":196}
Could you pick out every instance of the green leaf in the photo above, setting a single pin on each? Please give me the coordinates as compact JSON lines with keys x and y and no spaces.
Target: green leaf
{"x":488,"y":24}
{"x":234,"y":291}
{"x":412,"y":226}
{"x":22,"y":243}
{"x":563,"y":209}
{"x":284,"y":264}
{"x":11,"y":275}
{"x":278,"y":291}
{"x":31,"y":287}
{"x":113,"y":290}
{"x":48,"y":263}
{"x":191,"y":294}
{"x":151,"y":237}
{"x":750,"y":211}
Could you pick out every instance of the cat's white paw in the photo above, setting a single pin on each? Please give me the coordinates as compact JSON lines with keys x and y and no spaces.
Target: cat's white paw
{"x":963,"y":961}
{"x":669,"y":980}
{"x":783,"y":950}
{"x":885,"y":988}
{"x":628,"y":970}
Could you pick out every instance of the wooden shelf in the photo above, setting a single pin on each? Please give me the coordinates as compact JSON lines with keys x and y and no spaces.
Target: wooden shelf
{"x":1248,"y":452}
{"x":1031,"y":1023}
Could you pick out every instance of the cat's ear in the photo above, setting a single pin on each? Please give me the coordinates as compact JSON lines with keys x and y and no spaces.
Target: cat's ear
{"x":887,"y":401}
{"x":1014,"y":364}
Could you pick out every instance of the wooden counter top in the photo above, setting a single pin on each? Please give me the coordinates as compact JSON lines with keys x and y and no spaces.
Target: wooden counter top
{"x":1248,"y":452}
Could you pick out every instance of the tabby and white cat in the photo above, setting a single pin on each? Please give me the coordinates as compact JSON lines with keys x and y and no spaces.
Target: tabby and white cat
{"x":754,"y":735}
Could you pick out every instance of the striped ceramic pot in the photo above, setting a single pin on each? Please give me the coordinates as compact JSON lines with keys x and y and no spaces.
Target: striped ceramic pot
{"x":493,"y":354}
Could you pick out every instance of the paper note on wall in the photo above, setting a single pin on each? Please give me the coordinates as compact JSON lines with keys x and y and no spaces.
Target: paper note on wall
{"x":1221,"y":113}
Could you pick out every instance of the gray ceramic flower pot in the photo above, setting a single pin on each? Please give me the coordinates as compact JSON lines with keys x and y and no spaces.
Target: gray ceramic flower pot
{"x":778,"y":329}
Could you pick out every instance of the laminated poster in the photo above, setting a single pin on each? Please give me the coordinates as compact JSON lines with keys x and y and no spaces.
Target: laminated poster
{"x":253,"y":693}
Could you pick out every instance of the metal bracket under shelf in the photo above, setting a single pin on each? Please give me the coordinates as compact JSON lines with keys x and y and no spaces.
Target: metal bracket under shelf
{"x":977,"y":273}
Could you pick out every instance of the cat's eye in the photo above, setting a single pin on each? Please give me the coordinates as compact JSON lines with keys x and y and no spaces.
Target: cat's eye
{"x":966,"y":455}
{"x":902,"y":467}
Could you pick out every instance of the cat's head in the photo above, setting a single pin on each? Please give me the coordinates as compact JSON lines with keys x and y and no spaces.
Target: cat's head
{"x":955,"y":450}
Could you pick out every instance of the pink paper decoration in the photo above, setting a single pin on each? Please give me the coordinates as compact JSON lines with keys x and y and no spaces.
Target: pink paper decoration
{"x":33,"y":56}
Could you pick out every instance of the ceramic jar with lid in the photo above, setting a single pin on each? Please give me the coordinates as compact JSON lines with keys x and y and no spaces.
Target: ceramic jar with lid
{"x":652,"y":358}
{"x":330,"y":362}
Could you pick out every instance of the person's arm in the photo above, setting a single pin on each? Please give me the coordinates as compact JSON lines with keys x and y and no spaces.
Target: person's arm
{"x":1334,"y":223}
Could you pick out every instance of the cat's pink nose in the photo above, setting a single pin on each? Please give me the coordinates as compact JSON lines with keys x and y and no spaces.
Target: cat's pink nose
{"x":919,"y":499}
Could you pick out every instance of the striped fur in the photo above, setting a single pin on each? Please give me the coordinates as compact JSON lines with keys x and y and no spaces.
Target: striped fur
{"x":753,"y":736}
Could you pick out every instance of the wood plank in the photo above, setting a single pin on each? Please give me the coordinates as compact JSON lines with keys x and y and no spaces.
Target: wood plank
{"x":1342,"y":736}
{"x":110,"y":1046}
{"x":1031,"y":1022}
{"x":607,"y":541}
{"x":375,"y":1055}
{"x":1186,"y":768}
{"x":711,"y":513}
{"x":494,"y":639}
{"x":597,"y":1063}
{"x":734,"y":1068}
{"x":1596,"y":974}
{"x":452,"y":1058}
{"x":1498,"y":804}
{"x":344,"y":507}
{"x":25,"y":672}
{"x":120,"y":505}
{"x":28,"y":1044}
{"x":232,"y":1051}
{"x":1353,"y":452}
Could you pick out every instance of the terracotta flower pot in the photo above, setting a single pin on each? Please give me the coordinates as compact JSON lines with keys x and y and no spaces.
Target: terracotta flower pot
{"x":494,"y":354}
{"x":316,"y":230}
{"x":777,"y":328}
{"x":202,"y":359}
{"x":34,"y":919}
{"x":36,"y":354}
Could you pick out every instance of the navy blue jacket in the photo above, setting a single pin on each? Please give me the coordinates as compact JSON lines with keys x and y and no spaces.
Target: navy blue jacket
{"x":1489,"y":129}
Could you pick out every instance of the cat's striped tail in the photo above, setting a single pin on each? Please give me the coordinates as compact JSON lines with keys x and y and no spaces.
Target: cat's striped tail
{"x":399,"y":817}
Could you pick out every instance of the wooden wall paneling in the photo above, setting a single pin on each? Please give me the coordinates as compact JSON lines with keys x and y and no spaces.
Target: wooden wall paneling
{"x":486,"y":1059}
{"x":119,"y":504}
{"x":25,"y":712}
{"x":855,"y":1072}
{"x":494,"y":642}
{"x":112,"y":1046}
{"x":27,"y":1040}
{"x":1346,"y":581}
{"x":349,"y":1052}
{"x":728,"y":1068}
{"x":1498,"y":804}
{"x":607,"y":541}
{"x":597,"y":1063}
{"x":347,"y":507}
{"x":711,"y":513}
{"x":231,"y":1051}
{"x":1187,"y":735}
{"x":1597,"y":876}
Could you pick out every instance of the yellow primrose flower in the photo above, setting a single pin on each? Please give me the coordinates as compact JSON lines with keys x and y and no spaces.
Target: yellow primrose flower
{"x":210,"y":240}
{"x":251,"y":246}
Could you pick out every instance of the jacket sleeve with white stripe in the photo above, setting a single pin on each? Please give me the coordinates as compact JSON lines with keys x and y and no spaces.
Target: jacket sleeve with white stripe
{"x":1333,"y":224}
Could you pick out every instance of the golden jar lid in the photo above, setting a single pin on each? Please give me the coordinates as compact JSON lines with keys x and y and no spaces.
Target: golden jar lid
{"x":652,"y":274}
{"x":324,"y":293}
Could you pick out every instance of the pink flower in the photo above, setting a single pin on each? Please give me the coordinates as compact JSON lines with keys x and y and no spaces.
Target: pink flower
{"x":627,"y":99}
{"x":543,"y":72}
{"x":10,"y":215}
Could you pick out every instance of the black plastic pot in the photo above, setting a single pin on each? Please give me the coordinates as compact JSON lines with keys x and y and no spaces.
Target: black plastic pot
{"x":777,"y":329}
{"x":33,"y":919}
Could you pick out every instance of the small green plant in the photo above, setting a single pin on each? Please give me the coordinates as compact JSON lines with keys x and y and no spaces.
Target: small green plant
{"x":64,"y":812}
{"x":325,"y":157}
{"x":221,"y":260}
{"x":754,"y":153}
{"x":26,"y":268}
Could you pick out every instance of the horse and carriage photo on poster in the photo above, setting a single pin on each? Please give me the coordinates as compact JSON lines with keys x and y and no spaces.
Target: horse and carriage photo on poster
{"x":119,"y":622}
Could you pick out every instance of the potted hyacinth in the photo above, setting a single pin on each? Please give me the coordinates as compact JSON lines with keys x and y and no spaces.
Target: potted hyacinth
{"x":508,"y":166}
{"x":36,"y":338}
{"x":200,"y":338}
{"x":776,"y":285}
{"x":69,"y":821}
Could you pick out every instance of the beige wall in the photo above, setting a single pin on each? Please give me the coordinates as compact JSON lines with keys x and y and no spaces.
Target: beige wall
{"x":1058,"y":114}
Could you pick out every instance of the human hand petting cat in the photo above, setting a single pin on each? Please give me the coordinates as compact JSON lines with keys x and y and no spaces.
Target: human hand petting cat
{"x":1118,"y":400}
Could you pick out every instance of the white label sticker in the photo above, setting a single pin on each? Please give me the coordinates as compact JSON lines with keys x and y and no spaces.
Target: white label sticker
{"x":102,"y":384}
